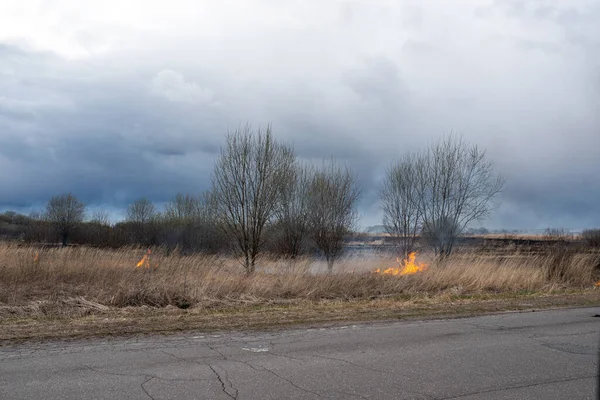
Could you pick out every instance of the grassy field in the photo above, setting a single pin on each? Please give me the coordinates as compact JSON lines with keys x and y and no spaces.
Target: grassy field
{"x":66,"y":292}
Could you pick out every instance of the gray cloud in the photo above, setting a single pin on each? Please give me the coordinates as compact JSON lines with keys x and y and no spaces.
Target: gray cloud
{"x":378,"y":80}
{"x":125,"y":108}
{"x":173,"y":86}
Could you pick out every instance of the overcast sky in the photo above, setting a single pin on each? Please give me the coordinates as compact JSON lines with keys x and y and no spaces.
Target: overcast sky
{"x":120,"y":99}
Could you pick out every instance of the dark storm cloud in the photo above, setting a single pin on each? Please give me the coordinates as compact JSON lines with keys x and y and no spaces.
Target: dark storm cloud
{"x":108,"y":144}
{"x":364,"y":82}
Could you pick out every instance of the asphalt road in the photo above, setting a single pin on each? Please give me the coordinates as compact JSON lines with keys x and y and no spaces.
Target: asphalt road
{"x":535,"y":355}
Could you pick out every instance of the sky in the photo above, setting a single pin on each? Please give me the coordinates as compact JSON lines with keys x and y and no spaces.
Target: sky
{"x":117,"y":100}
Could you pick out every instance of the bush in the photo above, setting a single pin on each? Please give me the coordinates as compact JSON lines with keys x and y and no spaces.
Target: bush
{"x":591,"y":237}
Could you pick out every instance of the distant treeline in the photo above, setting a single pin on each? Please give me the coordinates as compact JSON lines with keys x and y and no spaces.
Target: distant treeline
{"x":188,"y":223}
{"x":188,"y":235}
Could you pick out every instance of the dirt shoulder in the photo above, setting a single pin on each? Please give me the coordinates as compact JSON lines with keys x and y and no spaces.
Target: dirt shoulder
{"x":144,"y":320}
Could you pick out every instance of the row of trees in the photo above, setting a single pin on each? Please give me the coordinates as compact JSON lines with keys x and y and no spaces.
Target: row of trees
{"x":263,"y":198}
{"x":435,"y":194}
{"x":64,"y":219}
{"x":258,"y":182}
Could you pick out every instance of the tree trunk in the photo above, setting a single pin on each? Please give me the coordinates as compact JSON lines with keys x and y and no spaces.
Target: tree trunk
{"x":247,"y":266}
{"x":252,"y":263}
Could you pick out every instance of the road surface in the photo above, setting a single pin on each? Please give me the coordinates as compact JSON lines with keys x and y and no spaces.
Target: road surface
{"x":534,"y":355}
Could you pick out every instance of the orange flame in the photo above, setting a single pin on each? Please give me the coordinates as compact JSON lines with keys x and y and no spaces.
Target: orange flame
{"x":145,"y":261}
{"x":36,"y":257}
{"x":407,"y":267}
{"x":597,"y":284}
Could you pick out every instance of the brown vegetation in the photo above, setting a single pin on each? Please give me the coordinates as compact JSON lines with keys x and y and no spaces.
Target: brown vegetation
{"x":81,"y":281}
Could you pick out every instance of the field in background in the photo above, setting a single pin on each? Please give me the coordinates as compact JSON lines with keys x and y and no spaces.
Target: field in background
{"x":65,"y":282}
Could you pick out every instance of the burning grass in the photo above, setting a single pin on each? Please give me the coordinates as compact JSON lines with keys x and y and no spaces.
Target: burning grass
{"x":405,"y":267}
{"x":81,"y":281}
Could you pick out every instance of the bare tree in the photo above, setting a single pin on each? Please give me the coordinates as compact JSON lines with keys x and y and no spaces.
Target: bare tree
{"x":292,"y":210}
{"x":401,"y":203}
{"x":142,"y":219}
{"x":36,"y":215}
{"x":142,"y":211}
{"x":332,"y":198}
{"x":38,"y":228}
{"x":189,"y":224}
{"x":457,"y":184}
{"x":246,"y":184}
{"x":98,"y":229}
{"x":100,"y":217}
{"x":183,"y":208}
{"x":209,"y":235}
{"x":65,"y":212}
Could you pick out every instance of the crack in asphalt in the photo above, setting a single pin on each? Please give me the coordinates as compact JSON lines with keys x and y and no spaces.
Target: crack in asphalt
{"x":111,"y":373}
{"x":571,"y":349}
{"x":333,"y":359}
{"x":360,"y":396}
{"x":224,"y":380}
{"x":289,"y":381}
{"x":524,"y":386}
{"x":222,"y":362}
{"x":147,"y":379}
{"x":486,"y":326}
{"x":374,"y":370}
{"x":262,"y":368}
{"x":568,"y":348}
{"x":223,"y":356}
{"x":286,"y":356}
{"x":497,"y":328}
{"x":536,"y":336}
{"x":160,"y":378}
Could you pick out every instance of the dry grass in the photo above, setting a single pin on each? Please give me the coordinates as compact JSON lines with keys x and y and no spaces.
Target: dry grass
{"x":82,"y":281}
{"x":77,"y":292}
{"x":146,"y":320}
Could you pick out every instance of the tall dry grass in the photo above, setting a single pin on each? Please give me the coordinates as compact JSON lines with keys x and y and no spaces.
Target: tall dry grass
{"x":61,"y":280}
